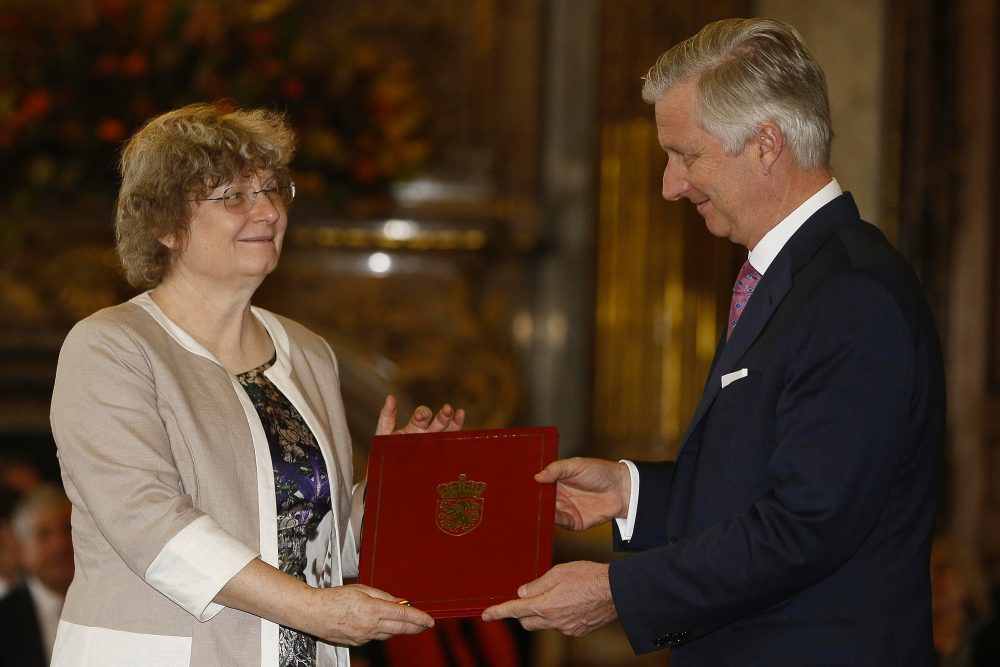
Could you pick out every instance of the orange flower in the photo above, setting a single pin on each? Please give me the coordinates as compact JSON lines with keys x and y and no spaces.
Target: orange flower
{"x":111,"y":130}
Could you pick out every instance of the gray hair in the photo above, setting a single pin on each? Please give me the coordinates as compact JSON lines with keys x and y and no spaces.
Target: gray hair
{"x":749,"y":72}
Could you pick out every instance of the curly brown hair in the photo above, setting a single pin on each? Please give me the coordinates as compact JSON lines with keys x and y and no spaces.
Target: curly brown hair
{"x":183,"y":155}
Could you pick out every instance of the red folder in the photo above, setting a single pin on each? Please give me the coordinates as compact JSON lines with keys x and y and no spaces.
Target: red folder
{"x":455,"y":522}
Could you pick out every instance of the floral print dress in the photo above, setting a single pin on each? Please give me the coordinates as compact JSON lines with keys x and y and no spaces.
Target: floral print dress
{"x":302,"y":492}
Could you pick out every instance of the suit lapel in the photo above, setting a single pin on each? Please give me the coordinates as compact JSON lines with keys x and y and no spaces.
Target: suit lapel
{"x":770,"y":292}
{"x":766,"y":298}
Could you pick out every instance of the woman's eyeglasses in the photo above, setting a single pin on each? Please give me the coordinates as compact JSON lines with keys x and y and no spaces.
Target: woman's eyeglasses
{"x":240,"y":199}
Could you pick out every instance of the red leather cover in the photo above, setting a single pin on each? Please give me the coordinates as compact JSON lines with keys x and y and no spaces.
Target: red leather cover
{"x":454,"y":522}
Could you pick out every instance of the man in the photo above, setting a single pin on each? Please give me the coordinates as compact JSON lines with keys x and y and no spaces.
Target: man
{"x":29,"y":615}
{"x":794,"y":528}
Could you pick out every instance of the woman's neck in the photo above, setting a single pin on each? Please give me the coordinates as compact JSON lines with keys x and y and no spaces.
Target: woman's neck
{"x":220,"y":321}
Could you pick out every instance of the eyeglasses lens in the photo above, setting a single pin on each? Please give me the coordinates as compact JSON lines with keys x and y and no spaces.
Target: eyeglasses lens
{"x":240,"y":199}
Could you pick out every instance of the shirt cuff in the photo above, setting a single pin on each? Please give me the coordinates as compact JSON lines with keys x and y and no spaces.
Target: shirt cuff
{"x":627,"y":525}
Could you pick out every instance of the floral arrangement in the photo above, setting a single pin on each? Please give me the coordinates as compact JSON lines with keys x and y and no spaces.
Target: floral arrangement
{"x":77,"y":78}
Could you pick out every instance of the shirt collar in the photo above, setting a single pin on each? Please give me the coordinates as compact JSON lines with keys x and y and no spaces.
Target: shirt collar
{"x":768,"y":247}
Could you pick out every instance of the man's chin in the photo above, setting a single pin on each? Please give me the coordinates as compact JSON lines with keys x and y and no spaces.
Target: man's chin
{"x":715,"y":229}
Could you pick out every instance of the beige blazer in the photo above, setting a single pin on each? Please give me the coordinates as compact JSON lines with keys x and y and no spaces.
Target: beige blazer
{"x":168,"y":468}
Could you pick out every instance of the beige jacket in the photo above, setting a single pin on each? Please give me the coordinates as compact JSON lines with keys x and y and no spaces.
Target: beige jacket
{"x":168,"y":468}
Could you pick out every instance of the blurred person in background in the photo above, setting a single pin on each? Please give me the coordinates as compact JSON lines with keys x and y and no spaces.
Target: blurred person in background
{"x":29,"y":614}
{"x":202,"y":440}
{"x":960,"y":607}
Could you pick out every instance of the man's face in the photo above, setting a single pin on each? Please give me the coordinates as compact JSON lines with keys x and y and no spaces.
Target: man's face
{"x":47,"y":553}
{"x":723,"y":188}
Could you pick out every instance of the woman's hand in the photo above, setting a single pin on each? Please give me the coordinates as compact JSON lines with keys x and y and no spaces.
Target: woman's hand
{"x":348,"y":615}
{"x":423,"y":419}
{"x":355,"y":614}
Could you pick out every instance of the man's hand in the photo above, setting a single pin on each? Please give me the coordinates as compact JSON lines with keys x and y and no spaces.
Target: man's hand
{"x":423,"y":419}
{"x":588,"y":491}
{"x":574,"y":598}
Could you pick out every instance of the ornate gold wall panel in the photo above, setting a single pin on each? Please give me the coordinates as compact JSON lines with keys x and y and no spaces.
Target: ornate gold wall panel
{"x":661,"y":286}
{"x":662,"y":282}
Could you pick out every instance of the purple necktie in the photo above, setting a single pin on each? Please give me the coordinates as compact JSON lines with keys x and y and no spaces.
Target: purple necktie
{"x":746,"y":282}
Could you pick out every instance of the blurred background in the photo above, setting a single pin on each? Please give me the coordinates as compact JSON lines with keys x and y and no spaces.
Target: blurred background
{"x":479,"y":218}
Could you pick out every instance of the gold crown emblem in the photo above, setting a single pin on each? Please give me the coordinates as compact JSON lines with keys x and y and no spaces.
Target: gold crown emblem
{"x":461,"y":488}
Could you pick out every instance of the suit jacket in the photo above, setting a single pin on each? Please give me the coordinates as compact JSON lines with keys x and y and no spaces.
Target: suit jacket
{"x":794,"y":528}
{"x":20,"y":636}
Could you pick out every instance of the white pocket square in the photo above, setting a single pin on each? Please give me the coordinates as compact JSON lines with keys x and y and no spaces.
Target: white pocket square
{"x":729,"y":378}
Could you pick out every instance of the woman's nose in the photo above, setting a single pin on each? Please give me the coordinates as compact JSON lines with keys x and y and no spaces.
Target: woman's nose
{"x":265,"y":209}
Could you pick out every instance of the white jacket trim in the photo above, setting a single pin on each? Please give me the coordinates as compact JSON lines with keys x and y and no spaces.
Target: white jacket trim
{"x":192,"y":575}
{"x":85,"y":646}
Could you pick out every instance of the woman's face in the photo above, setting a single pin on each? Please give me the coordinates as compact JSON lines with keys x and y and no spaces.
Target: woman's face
{"x":235,"y":235}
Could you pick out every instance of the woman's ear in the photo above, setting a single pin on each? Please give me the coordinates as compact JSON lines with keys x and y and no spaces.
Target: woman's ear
{"x":169,"y":240}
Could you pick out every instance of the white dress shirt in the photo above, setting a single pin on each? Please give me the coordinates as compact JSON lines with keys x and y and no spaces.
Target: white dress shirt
{"x":48,"y":607}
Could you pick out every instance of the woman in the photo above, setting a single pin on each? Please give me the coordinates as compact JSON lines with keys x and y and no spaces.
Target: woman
{"x":202,"y":440}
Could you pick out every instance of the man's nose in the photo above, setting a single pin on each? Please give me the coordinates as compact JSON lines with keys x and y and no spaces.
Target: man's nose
{"x":675,"y":185}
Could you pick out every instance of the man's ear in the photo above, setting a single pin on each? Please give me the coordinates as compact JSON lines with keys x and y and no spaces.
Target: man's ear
{"x":770,"y":144}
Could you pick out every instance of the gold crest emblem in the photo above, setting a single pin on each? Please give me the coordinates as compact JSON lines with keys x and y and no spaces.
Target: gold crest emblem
{"x":460,"y":508}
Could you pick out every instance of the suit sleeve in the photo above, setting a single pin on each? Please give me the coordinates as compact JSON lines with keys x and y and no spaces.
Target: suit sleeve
{"x":119,"y":466}
{"x":842,"y":423}
{"x":650,"y":529}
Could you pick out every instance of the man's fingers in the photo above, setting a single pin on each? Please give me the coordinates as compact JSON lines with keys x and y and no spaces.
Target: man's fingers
{"x":537,"y":587}
{"x":509,"y":609}
{"x":557,"y":470}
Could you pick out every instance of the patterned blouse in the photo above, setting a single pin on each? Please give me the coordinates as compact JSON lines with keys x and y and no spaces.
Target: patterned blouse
{"x":302,"y":492}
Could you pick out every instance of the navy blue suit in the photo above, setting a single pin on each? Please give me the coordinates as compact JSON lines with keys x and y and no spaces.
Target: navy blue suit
{"x":794,"y":528}
{"x":20,"y":635}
